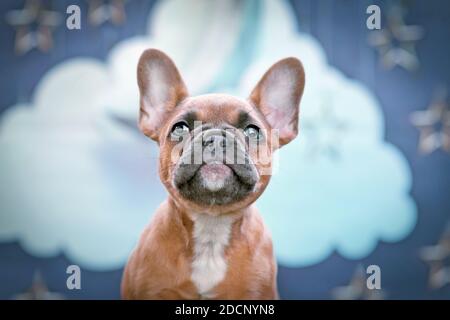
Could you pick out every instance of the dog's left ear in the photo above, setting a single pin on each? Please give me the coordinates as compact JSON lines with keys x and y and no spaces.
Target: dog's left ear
{"x":161,"y":88}
{"x":278,"y":94}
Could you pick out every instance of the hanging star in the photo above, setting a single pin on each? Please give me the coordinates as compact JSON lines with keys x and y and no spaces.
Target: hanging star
{"x":113,"y":11}
{"x":396,"y":44}
{"x":434,"y":124}
{"x":438,"y":259}
{"x":325,"y":130}
{"x":38,"y":291}
{"x":34,"y":25}
{"x":357,"y":288}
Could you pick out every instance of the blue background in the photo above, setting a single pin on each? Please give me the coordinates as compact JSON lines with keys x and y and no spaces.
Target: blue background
{"x":400,"y":92}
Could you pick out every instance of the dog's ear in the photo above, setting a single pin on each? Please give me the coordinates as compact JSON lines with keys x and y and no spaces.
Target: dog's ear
{"x":278,"y":94}
{"x":161,"y":88}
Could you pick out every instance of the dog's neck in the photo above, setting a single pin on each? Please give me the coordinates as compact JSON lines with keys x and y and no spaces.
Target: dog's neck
{"x":188,"y":216}
{"x":210,"y":236}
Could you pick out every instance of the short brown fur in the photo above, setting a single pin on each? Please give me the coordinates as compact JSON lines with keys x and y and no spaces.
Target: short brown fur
{"x":160,"y":265}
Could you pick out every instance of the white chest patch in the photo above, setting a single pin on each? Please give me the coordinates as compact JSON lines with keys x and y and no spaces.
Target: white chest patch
{"x":211,"y":237}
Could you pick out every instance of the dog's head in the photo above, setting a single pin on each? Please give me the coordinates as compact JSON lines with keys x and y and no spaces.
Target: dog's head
{"x":216,"y":149}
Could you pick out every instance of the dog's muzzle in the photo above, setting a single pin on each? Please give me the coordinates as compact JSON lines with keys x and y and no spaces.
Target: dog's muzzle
{"x":205,"y":160}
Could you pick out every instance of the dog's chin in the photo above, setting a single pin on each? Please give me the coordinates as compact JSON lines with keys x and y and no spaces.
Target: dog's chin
{"x":213,"y":184}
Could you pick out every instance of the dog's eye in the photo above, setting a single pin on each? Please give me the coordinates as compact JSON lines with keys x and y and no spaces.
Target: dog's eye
{"x":252,"y":132}
{"x":179,"y":129}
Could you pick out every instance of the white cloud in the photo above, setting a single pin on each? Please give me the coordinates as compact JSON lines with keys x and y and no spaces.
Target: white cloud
{"x":69,"y":180}
{"x":74,"y":179}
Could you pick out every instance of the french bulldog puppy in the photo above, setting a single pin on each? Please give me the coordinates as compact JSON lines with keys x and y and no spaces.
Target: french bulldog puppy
{"x":207,"y":240}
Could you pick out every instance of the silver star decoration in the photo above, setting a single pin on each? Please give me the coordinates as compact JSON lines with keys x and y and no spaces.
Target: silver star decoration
{"x":438,"y":259}
{"x":38,"y":291}
{"x":34,"y":25}
{"x":325,"y":131}
{"x":113,"y":11}
{"x":357,"y":288}
{"x":434,"y":124}
{"x":396,"y":44}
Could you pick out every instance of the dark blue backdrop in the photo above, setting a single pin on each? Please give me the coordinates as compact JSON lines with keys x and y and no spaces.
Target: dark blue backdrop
{"x":400,"y":92}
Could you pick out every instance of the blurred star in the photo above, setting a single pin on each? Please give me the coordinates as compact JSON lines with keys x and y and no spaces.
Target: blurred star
{"x":326,"y":130}
{"x":113,"y":11}
{"x":396,"y":43}
{"x":38,"y":291}
{"x":34,"y":25}
{"x":357,"y":288}
{"x":434,"y":124}
{"x":438,"y":258}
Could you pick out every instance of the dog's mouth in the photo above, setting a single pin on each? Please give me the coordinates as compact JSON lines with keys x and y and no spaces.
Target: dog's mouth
{"x":215,"y":183}
{"x":216,"y":180}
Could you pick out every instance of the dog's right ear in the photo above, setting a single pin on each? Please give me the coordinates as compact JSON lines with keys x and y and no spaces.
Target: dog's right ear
{"x":161,"y":88}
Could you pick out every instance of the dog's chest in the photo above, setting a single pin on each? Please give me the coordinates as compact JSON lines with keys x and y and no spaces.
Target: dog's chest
{"x":211,"y":237}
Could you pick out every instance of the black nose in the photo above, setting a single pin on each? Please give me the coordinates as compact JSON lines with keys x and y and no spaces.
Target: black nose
{"x":214,"y":142}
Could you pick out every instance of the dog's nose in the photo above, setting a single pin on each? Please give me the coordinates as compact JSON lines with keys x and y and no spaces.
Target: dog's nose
{"x":214,"y":142}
